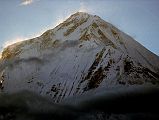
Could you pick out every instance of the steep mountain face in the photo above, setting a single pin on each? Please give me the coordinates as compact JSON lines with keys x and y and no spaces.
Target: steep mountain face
{"x":84,"y":53}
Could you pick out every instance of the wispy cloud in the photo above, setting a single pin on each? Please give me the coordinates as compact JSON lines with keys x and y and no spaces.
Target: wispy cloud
{"x":26,"y":2}
{"x":22,"y":38}
{"x":12,"y":41}
{"x":83,"y":8}
{"x":65,"y":15}
{"x":19,"y":39}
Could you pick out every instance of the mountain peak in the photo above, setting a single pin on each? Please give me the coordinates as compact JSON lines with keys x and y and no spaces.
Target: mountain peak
{"x":82,"y":15}
{"x":83,"y":53}
{"x":77,"y":25}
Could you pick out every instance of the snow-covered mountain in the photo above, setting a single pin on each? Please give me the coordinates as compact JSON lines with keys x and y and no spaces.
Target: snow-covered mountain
{"x":84,"y":53}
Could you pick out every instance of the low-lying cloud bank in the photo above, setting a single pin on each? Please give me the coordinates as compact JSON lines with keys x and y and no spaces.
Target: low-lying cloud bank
{"x":133,"y":103}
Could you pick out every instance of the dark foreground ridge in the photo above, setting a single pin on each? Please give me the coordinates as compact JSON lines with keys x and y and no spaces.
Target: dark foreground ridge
{"x":136,"y":103}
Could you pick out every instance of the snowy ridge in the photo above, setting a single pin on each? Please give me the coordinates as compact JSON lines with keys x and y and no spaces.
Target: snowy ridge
{"x":84,"y":53}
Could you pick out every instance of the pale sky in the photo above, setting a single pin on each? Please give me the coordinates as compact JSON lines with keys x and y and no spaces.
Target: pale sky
{"x":24,"y":19}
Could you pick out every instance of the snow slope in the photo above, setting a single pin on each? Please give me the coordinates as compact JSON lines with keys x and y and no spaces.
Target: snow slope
{"x":84,"y":53}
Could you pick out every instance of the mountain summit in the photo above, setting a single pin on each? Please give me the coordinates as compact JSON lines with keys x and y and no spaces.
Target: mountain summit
{"x":82,"y":54}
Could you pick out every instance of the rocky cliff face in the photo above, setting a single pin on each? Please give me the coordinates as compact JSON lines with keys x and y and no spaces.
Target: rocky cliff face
{"x":84,"y":53}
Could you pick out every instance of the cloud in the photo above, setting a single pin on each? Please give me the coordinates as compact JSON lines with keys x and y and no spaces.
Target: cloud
{"x":22,"y":38}
{"x":19,"y":39}
{"x":12,"y":41}
{"x":26,"y":2}
{"x":60,"y":19}
{"x":83,"y":8}
{"x":63,"y":16}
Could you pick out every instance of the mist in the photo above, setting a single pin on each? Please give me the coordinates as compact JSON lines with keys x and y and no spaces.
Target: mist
{"x":133,"y":103}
